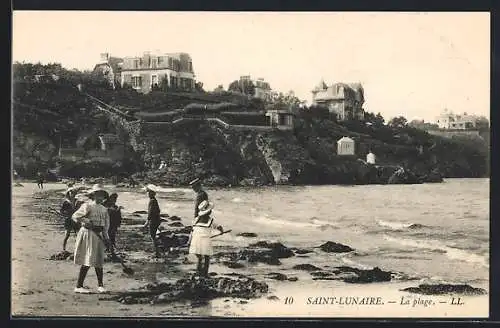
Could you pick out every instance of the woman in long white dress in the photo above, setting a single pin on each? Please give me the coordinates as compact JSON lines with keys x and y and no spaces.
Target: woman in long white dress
{"x":201,"y":243}
{"x":92,"y":238}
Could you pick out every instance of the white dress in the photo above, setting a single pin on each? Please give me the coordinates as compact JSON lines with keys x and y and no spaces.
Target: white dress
{"x":201,"y":243}
{"x":89,"y":248}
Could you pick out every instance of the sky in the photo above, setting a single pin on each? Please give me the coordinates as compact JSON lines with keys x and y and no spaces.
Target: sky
{"x":410,"y":64}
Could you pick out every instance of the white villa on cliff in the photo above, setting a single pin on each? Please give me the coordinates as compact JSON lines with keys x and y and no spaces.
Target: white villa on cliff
{"x":146,"y":72}
{"x":345,"y":100}
{"x":449,"y":120}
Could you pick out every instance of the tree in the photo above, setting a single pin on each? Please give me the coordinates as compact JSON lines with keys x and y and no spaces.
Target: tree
{"x":234,"y":86}
{"x":376,"y":120}
{"x":220,"y":88}
{"x":482,"y":122}
{"x":246,"y":87}
{"x":398,"y":122}
{"x":198,"y":86}
{"x":379,"y":120}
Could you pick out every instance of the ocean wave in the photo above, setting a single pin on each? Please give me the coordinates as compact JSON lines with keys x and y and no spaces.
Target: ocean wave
{"x":236,"y":200}
{"x":399,"y":225}
{"x":266,"y":219}
{"x":355,"y":264}
{"x":312,"y":223}
{"x":436,"y":246}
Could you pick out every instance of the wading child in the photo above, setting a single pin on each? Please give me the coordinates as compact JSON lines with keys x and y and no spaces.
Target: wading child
{"x":68,"y":207}
{"x":154,"y":219}
{"x":115,"y":217}
{"x":92,"y":238}
{"x":201,"y":244}
{"x":39,"y":179}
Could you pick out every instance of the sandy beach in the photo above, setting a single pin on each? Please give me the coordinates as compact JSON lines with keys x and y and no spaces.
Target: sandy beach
{"x":41,"y":287}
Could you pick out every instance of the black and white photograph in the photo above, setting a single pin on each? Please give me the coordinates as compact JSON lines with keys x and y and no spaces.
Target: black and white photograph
{"x":250,"y":164}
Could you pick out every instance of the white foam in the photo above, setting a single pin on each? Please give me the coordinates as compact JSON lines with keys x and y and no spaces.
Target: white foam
{"x":394,"y":225}
{"x":452,"y":253}
{"x":355,"y":264}
{"x":278,"y":222}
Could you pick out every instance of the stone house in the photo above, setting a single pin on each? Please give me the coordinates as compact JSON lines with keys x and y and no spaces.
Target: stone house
{"x":147,"y":72}
{"x":449,"y":120}
{"x":111,"y":68}
{"x":281,"y":119}
{"x":345,"y":100}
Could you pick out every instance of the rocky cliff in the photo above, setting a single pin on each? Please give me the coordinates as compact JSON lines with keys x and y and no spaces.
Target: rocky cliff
{"x":227,"y":156}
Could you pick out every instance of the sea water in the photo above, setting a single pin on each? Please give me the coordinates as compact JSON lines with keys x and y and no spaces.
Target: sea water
{"x":429,"y":232}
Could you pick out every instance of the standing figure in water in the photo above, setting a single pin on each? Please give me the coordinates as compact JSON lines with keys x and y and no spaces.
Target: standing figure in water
{"x":154,"y":219}
{"x":201,"y":243}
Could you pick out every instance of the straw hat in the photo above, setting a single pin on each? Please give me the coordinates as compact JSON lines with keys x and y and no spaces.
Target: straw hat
{"x":95,"y":188}
{"x":205,"y":207}
{"x":150,"y":187}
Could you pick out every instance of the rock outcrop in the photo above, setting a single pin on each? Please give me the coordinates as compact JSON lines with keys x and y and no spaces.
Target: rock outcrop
{"x":224,"y":155}
{"x":440,"y":289}
{"x":194,"y":289}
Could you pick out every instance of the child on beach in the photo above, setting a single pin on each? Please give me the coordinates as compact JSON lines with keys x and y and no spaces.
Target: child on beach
{"x":154,"y":219}
{"x":201,"y":244}
{"x":40,"y":180}
{"x":115,"y":217}
{"x":68,"y":207}
{"x":92,"y":238}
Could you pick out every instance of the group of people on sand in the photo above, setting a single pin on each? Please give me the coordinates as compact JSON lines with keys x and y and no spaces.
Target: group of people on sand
{"x":96,"y":222}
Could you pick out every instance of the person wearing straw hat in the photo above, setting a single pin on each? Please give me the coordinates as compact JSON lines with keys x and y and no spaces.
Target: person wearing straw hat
{"x":92,"y":238}
{"x":201,"y":195}
{"x":68,"y":207}
{"x":154,"y":219}
{"x":201,"y":243}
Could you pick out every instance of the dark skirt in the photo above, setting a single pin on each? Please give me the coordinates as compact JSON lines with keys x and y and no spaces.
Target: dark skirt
{"x":71,"y":225}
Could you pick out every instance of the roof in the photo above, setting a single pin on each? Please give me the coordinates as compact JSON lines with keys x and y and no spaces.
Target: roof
{"x":321,"y":86}
{"x":113,"y":62}
{"x":345,"y":139}
{"x":108,"y":138}
{"x":356,"y":86}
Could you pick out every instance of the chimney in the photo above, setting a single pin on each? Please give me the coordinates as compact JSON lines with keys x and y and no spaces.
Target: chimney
{"x":104,"y":57}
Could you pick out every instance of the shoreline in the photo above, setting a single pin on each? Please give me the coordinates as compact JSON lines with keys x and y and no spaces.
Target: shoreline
{"x":52,"y":294}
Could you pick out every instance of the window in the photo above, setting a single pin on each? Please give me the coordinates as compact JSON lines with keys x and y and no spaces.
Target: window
{"x":154,"y":63}
{"x":136,"y":63}
{"x":136,"y":81}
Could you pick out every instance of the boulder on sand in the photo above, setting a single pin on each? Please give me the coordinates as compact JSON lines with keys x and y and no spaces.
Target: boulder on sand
{"x":233,"y":265}
{"x":365,"y":276}
{"x":440,"y":289}
{"x":277,"y":249}
{"x":194,"y":288}
{"x":276,"y":276}
{"x":262,"y":252}
{"x":62,"y":256}
{"x":306,"y":267}
{"x":247,"y":234}
{"x":332,"y":247}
